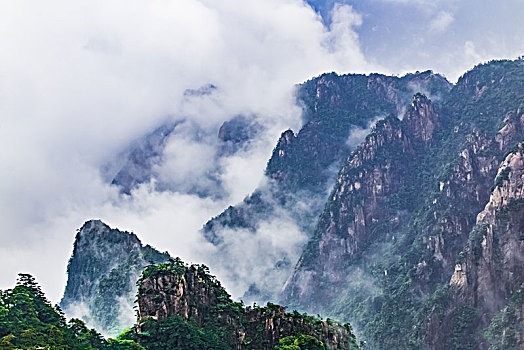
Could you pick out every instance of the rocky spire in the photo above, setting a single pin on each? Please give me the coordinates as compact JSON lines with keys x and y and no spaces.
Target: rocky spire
{"x":102,"y":274}
{"x":421,"y":118}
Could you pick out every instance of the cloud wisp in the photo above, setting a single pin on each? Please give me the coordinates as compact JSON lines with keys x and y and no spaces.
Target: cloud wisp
{"x":441,"y":21}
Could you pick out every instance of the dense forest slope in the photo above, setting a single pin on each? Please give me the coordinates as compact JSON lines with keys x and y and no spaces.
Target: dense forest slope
{"x":179,"y":306}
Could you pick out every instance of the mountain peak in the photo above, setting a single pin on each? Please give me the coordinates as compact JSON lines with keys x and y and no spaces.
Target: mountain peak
{"x":102,"y":273}
{"x":94,"y":225}
{"x":419,"y":100}
{"x":287,"y":137}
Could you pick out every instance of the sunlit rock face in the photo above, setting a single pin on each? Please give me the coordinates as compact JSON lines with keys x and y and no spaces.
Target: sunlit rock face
{"x":191,"y":294}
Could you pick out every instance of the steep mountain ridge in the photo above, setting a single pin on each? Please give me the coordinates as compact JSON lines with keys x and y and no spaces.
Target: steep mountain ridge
{"x":358,"y":202}
{"x":411,"y":209}
{"x":338,"y":110}
{"x":102,"y":274}
{"x":385,"y":250}
{"x":180,"y":307}
{"x":488,"y":276}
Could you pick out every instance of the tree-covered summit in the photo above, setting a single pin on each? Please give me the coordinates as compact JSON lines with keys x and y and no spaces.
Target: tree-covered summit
{"x":183,"y":306}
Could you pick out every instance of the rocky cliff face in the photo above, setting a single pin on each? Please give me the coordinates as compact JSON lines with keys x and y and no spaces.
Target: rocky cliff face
{"x":338,"y":112}
{"x":179,"y":291}
{"x":422,"y":119}
{"x":403,"y":205}
{"x":360,"y":204}
{"x":191,"y":294}
{"x":102,"y":275}
{"x":489,"y":276}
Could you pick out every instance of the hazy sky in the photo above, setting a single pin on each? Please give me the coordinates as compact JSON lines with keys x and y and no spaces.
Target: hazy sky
{"x":79,"y":81}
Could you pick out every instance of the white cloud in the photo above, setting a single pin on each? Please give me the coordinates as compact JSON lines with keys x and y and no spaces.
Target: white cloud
{"x":264,"y":257}
{"x":470,"y":53}
{"x":357,"y":135}
{"x":441,"y":21}
{"x":80,"y":81}
{"x":407,"y":35}
{"x":343,"y":39}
